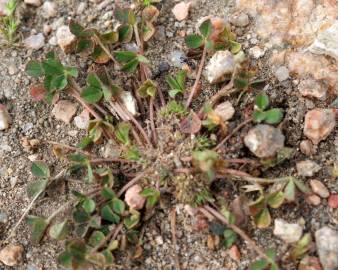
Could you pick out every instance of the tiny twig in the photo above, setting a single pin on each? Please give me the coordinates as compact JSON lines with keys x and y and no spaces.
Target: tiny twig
{"x":198,"y":77}
{"x":131,"y":183}
{"x":62,"y":145}
{"x":110,"y":236}
{"x":173,"y":236}
{"x":105,"y":49}
{"x":232,"y":133}
{"x":249,"y":178}
{"x":110,"y":160}
{"x":136,"y":123}
{"x":151,"y":118}
{"x":29,"y":207}
{"x":239,"y":231}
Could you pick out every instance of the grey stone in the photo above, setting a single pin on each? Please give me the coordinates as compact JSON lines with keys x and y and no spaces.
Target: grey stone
{"x":307,"y":168}
{"x":264,"y":140}
{"x":327,"y":42}
{"x":282,"y":73}
{"x":327,"y":247}
{"x":288,"y":232}
{"x":220,"y":66}
{"x":35,"y":42}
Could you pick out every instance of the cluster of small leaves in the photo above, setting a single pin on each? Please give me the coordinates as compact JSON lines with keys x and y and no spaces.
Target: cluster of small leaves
{"x":195,"y":41}
{"x":213,"y":120}
{"x":281,"y":192}
{"x":147,"y":89}
{"x":213,"y":40}
{"x":263,"y":264}
{"x":173,"y":108}
{"x":56,"y":75}
{"x":93,"y":217}
{"x":177,"y":83}
{"x":129,"y":60}
{"x":260,"y":114}
{"x":228,"y":236}
{"x":9,"y":24}
{"x":91,"y":41}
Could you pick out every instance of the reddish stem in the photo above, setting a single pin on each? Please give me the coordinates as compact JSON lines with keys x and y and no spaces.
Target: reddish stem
{"x":198,"y":77}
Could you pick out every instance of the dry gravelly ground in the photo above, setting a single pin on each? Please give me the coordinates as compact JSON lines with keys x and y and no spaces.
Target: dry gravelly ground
{"x":33,"y":120}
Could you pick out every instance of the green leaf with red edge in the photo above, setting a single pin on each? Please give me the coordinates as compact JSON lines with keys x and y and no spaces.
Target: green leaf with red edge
{"x":59,"y":231}
{"x":263,"y":219}
{"x":194,"y":41}
{"x":290,"y":191}
{"x":301,"y":186}
{"x":301,"y":247}
{"x":125,"y":33}
{"x":100,"y":56}
{"x":275,"y":200}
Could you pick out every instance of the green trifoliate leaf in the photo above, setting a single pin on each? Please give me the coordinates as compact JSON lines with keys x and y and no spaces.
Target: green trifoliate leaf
{"x":206,"y":28}
{"x":34,"y":69}
{"x":40,"y":169}
{"x":194,"y":41}
{"x":273,"y":116}
{"x":262,"y":101}
{"x":59,"y":231}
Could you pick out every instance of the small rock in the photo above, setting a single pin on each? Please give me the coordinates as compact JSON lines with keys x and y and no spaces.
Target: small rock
{"x":35,"y":3}
{"x":312,"y":88}
{"x":313,"y":199}
{"x":333,"y":201}
{"x":327,"y":247}
{"x":64,"y":110}
{"x":264,"y":140}
{"x":225,"y":110}
{"x":3,"y":217}
{"x":319,"y":123}
{"x":306,"y":147}
{"x":81,"y":8}
{"x":181,"y":10}
{"x":282,"y":73}
{"x":49,"y":9}
{"x":129,"y":102}
{"x":234,"y":253}
{"x":327,"y":42}
{"x":309,"y":263}
{"x":5,"y":119}
{"x":288,"y":232}
{"x":159,"y":240}
{"x":307,"y":168}
{"x":220,"y":66}
{"x":11,"y":255}
{"x":35,"y":42}
{"x":2,"y":7}
{"x":240,"y":20}
{"x":319,"y":188}
{"x":177,"y":58}
{"x":256,"y":52}
{"x":133,"y":198}
{"x":12,"y":69}
{"x":47,"y":29}
{"x":82,"y":120}
{"x":65,"y":38}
